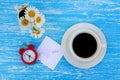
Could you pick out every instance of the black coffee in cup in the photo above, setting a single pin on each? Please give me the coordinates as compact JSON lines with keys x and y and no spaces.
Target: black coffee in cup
{"x":84,"y":45}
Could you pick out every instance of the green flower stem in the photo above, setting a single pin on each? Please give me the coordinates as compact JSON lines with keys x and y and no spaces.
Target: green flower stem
{"x":34,"y":29}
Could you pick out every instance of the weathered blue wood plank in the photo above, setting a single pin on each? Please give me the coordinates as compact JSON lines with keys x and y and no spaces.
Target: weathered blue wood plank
{"x":60,"y":15}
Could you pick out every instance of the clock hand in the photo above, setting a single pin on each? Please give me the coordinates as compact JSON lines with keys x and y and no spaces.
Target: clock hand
{"x":29,"y":56}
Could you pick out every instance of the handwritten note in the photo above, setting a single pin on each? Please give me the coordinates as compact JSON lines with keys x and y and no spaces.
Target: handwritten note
{"x":49,"y":52}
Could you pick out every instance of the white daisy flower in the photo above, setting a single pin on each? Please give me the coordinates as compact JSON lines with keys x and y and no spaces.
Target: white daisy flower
{"x":24,"y":23}
{"x":30,"y":13}
{"x":39,"y":20}
{"x":37,"y":33}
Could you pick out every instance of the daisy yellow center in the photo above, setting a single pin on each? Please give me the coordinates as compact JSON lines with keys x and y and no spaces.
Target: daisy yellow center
{"x":38,"y":32}
{"x":38,"y":19}
{"x":25,"y":22}
{"x":31,"y":13}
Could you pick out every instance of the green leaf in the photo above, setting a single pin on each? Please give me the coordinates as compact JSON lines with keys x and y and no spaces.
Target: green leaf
{"x":34,"y":28}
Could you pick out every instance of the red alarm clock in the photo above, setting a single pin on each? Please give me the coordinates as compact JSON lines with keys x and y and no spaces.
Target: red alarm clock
{"x":29,"y":54}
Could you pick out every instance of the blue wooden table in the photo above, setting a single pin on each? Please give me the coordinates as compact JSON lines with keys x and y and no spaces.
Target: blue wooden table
{"x":60,"y":15}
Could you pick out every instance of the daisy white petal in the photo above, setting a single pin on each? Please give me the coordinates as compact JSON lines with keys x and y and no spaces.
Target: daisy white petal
{"x":24,"y":23}
{"x":19,"y":8}
{"x":39,"y":20}
{"x":30,"y":13}
{"x":37,"y":33}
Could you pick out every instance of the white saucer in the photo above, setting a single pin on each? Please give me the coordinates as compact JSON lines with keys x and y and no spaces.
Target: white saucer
{"x":70,"y":55}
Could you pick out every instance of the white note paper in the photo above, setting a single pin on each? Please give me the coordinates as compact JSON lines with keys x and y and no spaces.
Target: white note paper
{"x":50,"y":52}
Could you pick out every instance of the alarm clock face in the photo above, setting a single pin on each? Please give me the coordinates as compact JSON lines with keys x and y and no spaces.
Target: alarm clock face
{"x":29,"y":56}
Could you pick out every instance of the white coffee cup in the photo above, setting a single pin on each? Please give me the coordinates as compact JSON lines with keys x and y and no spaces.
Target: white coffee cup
{"x":67,"y":45}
